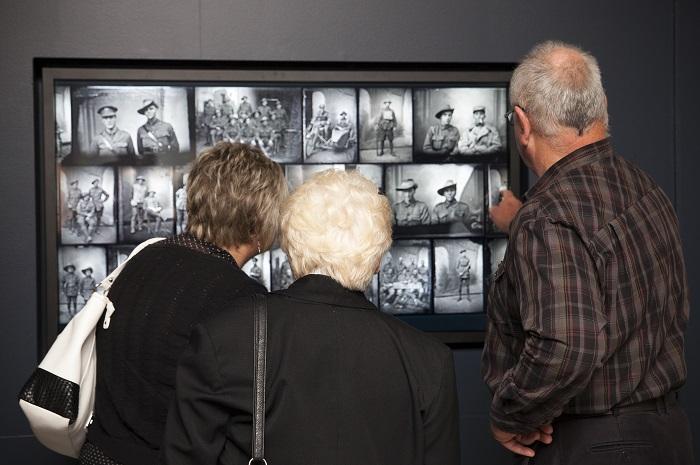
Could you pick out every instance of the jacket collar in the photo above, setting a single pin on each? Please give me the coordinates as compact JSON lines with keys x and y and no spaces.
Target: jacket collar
{"x":579,"y":157}
{"x":323,"y":289}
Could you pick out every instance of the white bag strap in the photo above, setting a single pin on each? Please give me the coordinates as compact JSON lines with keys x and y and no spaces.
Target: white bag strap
{"x":106,"y":284}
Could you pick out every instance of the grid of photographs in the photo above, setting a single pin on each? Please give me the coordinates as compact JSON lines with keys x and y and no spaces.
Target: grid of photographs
{"x":439,"y":154}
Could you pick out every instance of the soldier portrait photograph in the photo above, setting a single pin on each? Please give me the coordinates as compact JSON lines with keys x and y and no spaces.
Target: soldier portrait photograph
{"x":280,"y":270}
{"x":440,"y":200}
{"x":63,"y":122}
{"x":80,"y":269}
{"x":386,"y":125}
{"x":269,"y":117}
{"x":258,"y":268}
{"x":454,"y":124}
{"x":405,"y":279}
{"x":87,"y":205}
{"x":458,"y":276}
{"x":330,"y":125}
{"x":131,"y":125}
{"x":146,"y":203}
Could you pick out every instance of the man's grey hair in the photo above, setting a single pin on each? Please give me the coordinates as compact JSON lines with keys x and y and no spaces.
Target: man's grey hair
{"x":559,"y":90}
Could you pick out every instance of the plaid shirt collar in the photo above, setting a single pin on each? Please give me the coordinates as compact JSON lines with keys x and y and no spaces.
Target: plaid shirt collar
{"x":579,"y":157}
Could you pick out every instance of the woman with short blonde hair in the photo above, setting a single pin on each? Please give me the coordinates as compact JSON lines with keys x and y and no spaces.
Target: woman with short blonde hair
{"x":346,"y":384}
{"x":337,"y":225}
{"x":234,"y":196}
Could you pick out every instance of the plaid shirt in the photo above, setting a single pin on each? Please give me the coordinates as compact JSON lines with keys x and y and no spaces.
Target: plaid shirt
{"x":588,"y":309}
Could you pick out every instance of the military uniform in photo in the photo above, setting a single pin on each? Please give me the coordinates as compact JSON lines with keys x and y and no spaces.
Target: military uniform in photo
{"x":86,"y":216}
{"x":114,"y":141}
{"x":410,"y":212}
{"x":87,"y":284}
{"x":245,"y":109}
{"x":451,"y":210}
{"x":385,"y":128}
{"x":99,"y":196}
{"x":70,"y":284}
{"x":73,"y":198}
{"x":138,"y":195}
{"x":442,"y":138}
{"x":464,"y":272}
{"x":155,"y":136}
{"x":480,"y":138}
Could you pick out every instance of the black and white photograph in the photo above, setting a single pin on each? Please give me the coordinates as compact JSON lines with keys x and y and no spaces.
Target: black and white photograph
{"x":269,"y":117}
{"x":80,"y":270}
{"x":87,"y":205}
{"x":459,"y":276}
{"x":181,"y":174}
{"x":330,"y":125}
{"x":497,"y":183}
{"x":440,"y":200}
{"x":280,"y":270}
{"x":146,"y":203}
{"x":118,"y":254}
{"x":258,"y":268}
{"x":452,"y":124}
{"x":131,"y":124}
{"x":405,"y":281}
{"x":64,"y":124}
{"x":372,"y":291}
{"x":386,"y":125}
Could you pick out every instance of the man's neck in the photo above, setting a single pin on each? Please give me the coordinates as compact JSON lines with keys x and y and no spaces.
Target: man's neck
{"x":551,"y":150}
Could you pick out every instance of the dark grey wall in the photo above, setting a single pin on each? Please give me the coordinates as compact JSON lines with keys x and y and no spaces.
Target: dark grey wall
{"x":647,"y":50}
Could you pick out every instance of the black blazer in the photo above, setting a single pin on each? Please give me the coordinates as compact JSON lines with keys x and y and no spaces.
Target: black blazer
{"x":346,"y":384}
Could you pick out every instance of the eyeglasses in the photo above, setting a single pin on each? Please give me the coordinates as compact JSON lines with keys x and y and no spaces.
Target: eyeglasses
{"x":509,"y":116}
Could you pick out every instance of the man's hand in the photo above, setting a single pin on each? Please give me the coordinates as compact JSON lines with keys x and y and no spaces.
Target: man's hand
{"x":503,"y":213}
{"x":517,"y":443}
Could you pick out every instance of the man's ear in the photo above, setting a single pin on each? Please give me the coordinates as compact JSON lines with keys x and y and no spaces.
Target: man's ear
{"x":523,"y":128}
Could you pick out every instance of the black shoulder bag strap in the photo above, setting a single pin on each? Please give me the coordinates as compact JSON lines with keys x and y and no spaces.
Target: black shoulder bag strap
{"x":259,"y":355}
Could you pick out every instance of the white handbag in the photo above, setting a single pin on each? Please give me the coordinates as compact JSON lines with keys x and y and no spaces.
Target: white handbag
{"x":59,"y":397}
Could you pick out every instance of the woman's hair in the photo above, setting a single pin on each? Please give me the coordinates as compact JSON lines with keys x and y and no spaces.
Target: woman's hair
{"x":234,"y":195}
{"x":339,"y":225}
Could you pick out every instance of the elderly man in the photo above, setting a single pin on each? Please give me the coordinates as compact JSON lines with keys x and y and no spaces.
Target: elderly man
{"x":481,"y":138}
{"x":588,"y":309}
{"x":111,"y":140}
{"x":155,"y":136}
{"x":408,"y":211}
{"x":442,"y":139}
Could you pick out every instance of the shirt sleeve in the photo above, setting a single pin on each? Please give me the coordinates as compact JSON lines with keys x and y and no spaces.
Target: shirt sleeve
{"x":555,"y":282}
{"x":441,"y":421}
{"x":196,"y":427}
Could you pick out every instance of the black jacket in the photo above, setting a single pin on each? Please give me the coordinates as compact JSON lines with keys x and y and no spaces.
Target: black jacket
{"x":159,"y":295}
{"x":346,"y":384}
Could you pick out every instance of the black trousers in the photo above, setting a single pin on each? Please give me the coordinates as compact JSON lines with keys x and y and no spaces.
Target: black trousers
{"x":658,"y":436}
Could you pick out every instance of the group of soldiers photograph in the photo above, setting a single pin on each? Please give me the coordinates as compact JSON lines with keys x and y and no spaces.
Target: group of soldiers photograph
{"x":85,"y":210}
{"x":264,"y":123}
{"x":405,"y":284}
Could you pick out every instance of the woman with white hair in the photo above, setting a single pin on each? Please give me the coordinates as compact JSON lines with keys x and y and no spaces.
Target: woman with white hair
{"x":345,"y":384}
